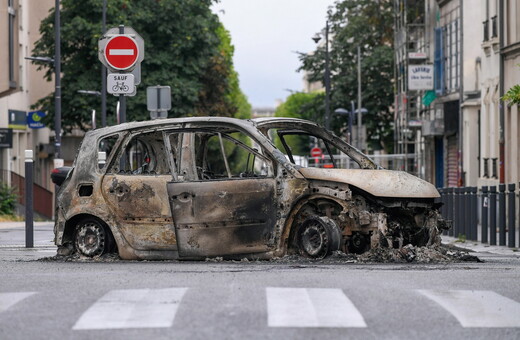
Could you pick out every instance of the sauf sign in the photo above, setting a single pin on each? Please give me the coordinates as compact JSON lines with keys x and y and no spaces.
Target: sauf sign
{"x":420,"y":77}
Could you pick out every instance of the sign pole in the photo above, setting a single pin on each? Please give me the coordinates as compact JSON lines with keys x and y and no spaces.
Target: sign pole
{"x":122,"y":97}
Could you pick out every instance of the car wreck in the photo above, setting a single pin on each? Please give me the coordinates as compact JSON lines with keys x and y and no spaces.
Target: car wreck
{"x":193,"y":188}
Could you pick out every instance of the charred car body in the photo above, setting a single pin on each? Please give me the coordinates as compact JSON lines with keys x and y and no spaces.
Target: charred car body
{"x":194,"y":188}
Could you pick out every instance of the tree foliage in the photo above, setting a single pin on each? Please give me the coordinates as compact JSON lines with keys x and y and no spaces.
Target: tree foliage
{"x":305,"y":106}
{"x":369,"y":25}
{"x":186,"y":47}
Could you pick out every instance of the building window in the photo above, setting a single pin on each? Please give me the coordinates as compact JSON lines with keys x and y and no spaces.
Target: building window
{"x":494,"y":27}
{"x":12,"y":35}
{"x":439,"y":62}
{"x":486,"y":30}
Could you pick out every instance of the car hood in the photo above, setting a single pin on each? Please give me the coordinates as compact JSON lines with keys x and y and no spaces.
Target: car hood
{"x":380,"y":183}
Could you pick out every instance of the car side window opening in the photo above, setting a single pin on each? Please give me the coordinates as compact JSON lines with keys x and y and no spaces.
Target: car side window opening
{"x":144,"y":154}
{"x":297,"y":145}
{"x":107,"y":145}
{"x":210,"y":155}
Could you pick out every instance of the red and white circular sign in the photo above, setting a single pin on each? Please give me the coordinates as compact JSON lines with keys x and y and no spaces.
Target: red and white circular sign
{"x":316,"y":152}
{"x":121,"y":52}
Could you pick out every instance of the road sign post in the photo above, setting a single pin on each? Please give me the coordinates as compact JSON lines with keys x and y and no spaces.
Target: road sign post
{"x":158,"y":101}
{"x":121,"y":50}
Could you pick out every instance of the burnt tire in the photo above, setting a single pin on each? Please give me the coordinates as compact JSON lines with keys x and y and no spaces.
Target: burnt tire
{"x":92,"y":238}
{"x":318,"y":237}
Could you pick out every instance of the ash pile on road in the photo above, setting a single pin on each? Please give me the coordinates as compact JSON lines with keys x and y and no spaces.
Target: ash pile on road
{"x":407,"y":254}
{"x":112,"y":257}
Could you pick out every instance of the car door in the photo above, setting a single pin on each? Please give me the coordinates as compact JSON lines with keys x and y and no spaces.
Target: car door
{"x":223,"y":199}
{"x":135,"y":191}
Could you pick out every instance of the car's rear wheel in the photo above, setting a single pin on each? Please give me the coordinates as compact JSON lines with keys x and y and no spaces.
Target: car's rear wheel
{"x":92,"y":238}
{"x":318,"y":237}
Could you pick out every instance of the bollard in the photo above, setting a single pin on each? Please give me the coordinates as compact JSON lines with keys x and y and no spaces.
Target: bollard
{"x":29,"y":220}
{"x":502,"y":215}
{"x":484,"y":218}
{"x":454,"y":212}
{"x":449,"y":210}
{"x":460,"y":212}
{"x":493,"y":215}
{"x":467,"y":213}
{"x":511,"y":214}
{"x":442,"y":200}
{"x":473,"y":213}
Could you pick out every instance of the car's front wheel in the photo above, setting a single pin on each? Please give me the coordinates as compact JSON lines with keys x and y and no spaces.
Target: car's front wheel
{"x":92,"y":238}
{"x":318,"y":237}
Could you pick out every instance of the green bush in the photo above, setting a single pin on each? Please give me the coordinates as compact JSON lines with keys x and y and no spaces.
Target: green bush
{"x":7,"y":199}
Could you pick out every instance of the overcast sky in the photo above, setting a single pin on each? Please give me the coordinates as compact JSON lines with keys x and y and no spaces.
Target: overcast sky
{"x":266,"y":34}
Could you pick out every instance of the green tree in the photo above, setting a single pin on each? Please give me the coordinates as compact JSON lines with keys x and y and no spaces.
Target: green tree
{"x":369,"y":25}
{"x":512,"y":96}
{"x":183,"y":49}
{"x":305,"y":106}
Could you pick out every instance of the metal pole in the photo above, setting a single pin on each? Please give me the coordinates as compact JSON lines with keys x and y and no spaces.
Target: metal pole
{"x":327,"y":78}
{"x":351,"y":120}
{"x":474,"y":212}
{"x":457,"y":212}
{"x":502,"y":215}
{"x":467,"y":213}
{"x":511,"y":198}
{"x":449,"y":209}
{"x":104,"y":72}
{"x":484,"y":219}
{"x":29,"y":220}
{"x":57,"y":80}
{"x":493,"y":215}
{"x":122,"y":97}
{"x":360,"y":140}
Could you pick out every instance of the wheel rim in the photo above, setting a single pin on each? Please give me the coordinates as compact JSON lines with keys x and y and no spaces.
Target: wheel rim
{"x":314,"y":239}
{"x":90,"y":239}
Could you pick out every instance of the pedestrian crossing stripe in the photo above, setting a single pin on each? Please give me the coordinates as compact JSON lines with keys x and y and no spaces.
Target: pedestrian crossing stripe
{"x":286,"y":307}
{"x":477,"y":308}
{"x":133,"y":308}
{"x":8,"y":300}
{"x":311,"y":307}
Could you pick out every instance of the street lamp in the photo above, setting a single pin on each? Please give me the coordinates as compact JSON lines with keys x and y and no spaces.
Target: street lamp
{"x":343,"y":112}
{"x":316,"y":39}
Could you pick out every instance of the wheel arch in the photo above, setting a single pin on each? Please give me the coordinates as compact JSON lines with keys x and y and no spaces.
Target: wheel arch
{"x":289,"y":232}
{"x":70,"y":227}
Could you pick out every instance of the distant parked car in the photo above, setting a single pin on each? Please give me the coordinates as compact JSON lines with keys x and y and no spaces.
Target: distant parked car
{"x":193,"y":188}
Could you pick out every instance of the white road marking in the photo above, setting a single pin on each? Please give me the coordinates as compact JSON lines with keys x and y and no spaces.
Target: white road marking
{"x":311,"y":307}
{"x":120,"y":51}
{"x":477,"y":308}
{"x":9,"y":299}
{"x":133,"y":308}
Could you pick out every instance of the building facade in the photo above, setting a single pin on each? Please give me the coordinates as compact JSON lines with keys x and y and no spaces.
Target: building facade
{"x":459,"y":130}
{"x":21,"y":85}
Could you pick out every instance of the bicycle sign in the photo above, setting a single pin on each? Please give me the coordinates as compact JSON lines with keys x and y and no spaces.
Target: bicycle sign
{"x":121,"y":83}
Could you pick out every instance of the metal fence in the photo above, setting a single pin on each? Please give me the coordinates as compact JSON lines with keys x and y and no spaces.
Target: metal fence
{"x":42,"y":197}
{"x":487,"y":214}
{"x":387,"y":161}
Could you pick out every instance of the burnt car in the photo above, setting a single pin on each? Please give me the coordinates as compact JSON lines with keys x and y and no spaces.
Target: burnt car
{"x":192,"y":188}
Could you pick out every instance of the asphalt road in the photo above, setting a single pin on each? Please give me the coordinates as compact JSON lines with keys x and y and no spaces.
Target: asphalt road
{"x":258,"y":300}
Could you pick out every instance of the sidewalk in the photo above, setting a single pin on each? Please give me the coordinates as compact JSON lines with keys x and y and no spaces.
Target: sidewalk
{"x":12,"y":241}
{"x":477,"y":247}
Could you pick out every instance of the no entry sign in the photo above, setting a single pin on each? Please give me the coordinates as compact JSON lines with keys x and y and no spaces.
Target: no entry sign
{"x":121,"y":52}
{"x":316,"y":152}
{"x":121,"y":49}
